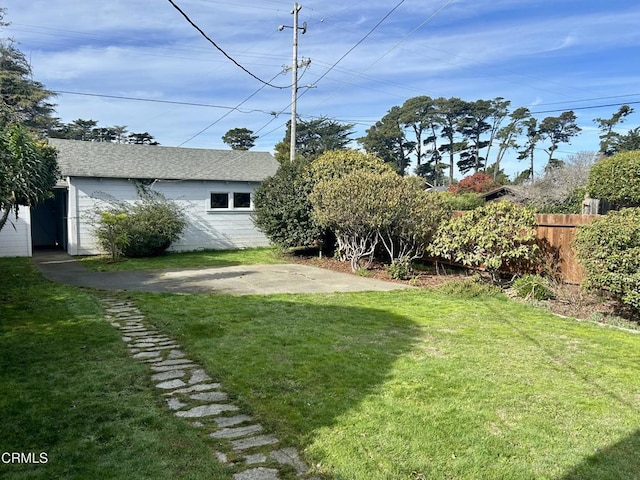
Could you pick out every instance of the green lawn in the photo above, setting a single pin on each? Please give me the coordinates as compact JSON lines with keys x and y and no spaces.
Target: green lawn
{"x":205,"y":258}
{"x":405,"y":385}
{"x":69,"y":388}
{"x":421,"y":385}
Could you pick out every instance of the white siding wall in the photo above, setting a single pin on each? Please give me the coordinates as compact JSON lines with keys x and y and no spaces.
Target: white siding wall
{"x":206,"y":229}
{"x":16,"y":242}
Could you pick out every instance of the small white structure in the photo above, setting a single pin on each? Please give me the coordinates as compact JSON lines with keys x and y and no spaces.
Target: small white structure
{"x":214,"y":187}
{"x":15,"y":237}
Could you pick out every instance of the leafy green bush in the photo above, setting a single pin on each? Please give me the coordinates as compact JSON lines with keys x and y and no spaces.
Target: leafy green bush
{"x":400,"y":269}
{"x":112,"y":234}
{"x":283,"y":210}
{"x":461,"y":201}
{"x":609,"y":250}
{"x":617,"y":179}
{"x":498,"y":237}
{"x":145,"y":229}
{"x":533,"y":287}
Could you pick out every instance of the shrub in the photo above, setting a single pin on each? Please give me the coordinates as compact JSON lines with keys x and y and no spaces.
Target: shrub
{"x":498,"y":237}
{"x":461,"y":201}
{"x":609,"y":250}
{"x":479,"y":182}
{"x":112,"y":234}
{"x":469,"y":287}
{"x":617,"y":179}
{"x":400,"y":269}
{"x":533,"y":287}
{"x":145,"y":229}
{"x":282,"y":208}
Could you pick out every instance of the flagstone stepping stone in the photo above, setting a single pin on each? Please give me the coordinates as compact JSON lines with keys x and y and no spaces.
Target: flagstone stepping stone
{"x":209,"y":396}
{"x":197,"y":388}
{"x":255,"y":458}
{"x":143,"y":345}
{"x":199,"y":376}
{"x":168,"y":375}
{"x":142,"y":333}
{"x":207,"y":410}
{"x":147,"y":355}
{"x":259,"y":473}
{"x":175,"y":354}
{"x":169,"y":368}
{"x":179,"y":361}
{"x":175,"y":404}
{"x":236,"y":432}
{"x":259,"y":441}
{"x":162,"y":347}
{"x":231,"y":421}
{"x":171,"y":384}
{"x":290,"y":456}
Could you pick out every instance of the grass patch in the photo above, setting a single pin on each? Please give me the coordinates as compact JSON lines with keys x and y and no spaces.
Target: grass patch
{"x":69,"y":388}
{"x":204,"y":258}
{"x":421,"y":384}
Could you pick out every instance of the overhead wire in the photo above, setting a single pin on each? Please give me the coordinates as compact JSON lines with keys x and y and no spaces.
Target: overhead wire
{"x":194,"y":25}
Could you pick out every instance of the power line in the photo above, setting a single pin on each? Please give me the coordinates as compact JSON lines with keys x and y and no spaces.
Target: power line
{"x":152,"y":100}
{"x":220,"y":49}
{"x":228,"y":113}
{"x":587,"y":108}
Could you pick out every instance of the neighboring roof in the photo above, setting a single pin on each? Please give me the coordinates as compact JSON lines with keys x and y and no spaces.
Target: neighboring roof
{"x":504,"y":192}
{"x":118,"y":160}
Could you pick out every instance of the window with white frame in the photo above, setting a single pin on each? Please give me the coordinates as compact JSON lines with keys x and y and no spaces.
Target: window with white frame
{"x":230,"y":201}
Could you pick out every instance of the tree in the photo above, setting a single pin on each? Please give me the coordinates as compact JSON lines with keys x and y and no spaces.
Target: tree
{"x":472,"y":126}
{"x":418,"y":115}
{"x":627,"y":142}
{"x":450,"y":112}
{"x":558,"y":130}
{"x":28,"y":170}
{"x":606,"y":125}
{"x":386,"y":140}
{"x":282,"y":208}
{"x":508,"y":135}
{"x":314,"y":137}
{"x":240,"y":139}
{"x":532,"y":133}
{"x":144,"y":138}
{"x":23,"y":99}
{"x":479,"y":182}
{"x":617,"y":179}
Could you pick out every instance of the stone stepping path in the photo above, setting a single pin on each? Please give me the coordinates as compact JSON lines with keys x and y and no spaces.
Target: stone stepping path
{"x":191,"y":394}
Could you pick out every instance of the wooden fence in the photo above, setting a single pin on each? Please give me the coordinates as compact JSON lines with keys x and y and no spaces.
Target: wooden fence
{"x":557,"y":232}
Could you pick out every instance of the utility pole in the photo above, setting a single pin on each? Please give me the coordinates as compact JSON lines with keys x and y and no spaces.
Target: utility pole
{"x":294,"y":75}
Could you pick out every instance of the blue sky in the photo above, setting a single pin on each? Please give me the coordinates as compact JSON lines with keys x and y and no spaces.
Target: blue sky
{"x":548,"y":55}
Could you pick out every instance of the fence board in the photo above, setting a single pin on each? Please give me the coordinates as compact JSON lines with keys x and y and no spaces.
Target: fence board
{"x":559,"y":231}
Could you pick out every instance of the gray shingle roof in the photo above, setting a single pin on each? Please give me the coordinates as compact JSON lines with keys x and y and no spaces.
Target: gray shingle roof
{"x":111,"y":160}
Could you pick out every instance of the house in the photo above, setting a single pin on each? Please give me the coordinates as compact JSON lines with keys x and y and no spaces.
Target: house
{"x":214,"y":188}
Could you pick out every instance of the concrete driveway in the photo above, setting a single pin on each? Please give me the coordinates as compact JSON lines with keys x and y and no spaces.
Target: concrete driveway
{"x":60,"y":267}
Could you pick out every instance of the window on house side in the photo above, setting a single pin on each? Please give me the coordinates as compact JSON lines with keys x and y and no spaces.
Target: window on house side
{"x":241,"y":200}
{"x":219,"y":200}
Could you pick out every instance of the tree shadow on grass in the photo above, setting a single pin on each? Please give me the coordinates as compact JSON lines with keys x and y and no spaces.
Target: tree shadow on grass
{"x":620,"y":461}
{"x":296,"y":362}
